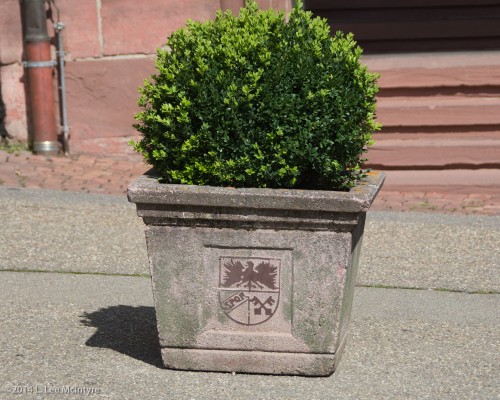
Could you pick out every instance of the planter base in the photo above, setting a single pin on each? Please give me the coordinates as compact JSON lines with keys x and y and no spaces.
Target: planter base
{"x":261,"y":362}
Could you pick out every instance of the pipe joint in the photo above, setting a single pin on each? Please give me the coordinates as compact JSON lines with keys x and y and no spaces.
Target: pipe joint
{"x":35,"y":21}
{"x":46,"y":147}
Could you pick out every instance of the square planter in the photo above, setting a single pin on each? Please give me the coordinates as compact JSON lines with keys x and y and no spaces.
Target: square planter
{"x":252,"y":280}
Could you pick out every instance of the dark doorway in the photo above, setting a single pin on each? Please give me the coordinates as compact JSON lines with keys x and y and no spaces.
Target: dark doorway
{"x":389,"y":26}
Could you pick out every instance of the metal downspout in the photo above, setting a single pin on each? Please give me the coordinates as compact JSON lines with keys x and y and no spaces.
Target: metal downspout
{"x":58,"y":27}
{"x":39,"y":66}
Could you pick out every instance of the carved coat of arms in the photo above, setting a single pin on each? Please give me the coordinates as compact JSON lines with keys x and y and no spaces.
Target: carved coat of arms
{"x":249,"y":288}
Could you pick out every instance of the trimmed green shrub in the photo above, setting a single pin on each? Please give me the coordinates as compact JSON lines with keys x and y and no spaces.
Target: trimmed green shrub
{"x":256,"y":101}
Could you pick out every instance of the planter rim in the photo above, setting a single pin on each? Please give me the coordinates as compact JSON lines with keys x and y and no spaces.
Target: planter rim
{"x":147,"y":190}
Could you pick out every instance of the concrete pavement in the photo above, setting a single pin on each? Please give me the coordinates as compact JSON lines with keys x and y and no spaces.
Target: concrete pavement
{"x":425,"y":317}
{"x":98,"y":332}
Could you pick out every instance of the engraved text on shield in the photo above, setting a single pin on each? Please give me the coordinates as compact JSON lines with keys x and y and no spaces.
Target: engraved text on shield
{"x":249,"y":288}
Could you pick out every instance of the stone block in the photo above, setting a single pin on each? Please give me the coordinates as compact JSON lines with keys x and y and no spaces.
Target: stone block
{"x":283,"y":5}
{"x":129,"y":27}
{"x":11,"y":35}
{"x":81,"y":33}
{"x":102,"y":96}
{"x":264,"y":4}
{"x":440,"y":69}
{"x":233,"y":5}
{"x":439,"y":110}
{"x":430,"y":153}
{"x":14,"y":97}
{"x":253,"y":280}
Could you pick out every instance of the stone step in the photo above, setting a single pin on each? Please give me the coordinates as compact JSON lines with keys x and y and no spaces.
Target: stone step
{"x":435,"y":151}
{"x":438,"y":110}
{"x":431,"y":70}
{"x":485,"y":180}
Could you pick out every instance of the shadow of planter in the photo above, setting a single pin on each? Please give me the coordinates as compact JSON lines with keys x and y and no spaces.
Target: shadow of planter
{"x":126,"y":329}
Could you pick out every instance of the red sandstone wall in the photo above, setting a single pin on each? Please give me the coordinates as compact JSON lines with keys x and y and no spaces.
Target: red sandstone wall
{"x":110,"y":47}
{"x":438,"y":110}
{"x":11,"y":71}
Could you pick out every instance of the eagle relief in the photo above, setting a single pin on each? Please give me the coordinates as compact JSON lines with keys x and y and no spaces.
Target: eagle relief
{"x":249,"y":288}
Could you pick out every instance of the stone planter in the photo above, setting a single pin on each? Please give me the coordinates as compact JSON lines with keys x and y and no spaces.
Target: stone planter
{"x":252,"y":280}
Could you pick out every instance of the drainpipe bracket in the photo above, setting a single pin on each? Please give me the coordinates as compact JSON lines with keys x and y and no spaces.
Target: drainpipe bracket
{"x":39,"y":64}
{"x":59,"y":26}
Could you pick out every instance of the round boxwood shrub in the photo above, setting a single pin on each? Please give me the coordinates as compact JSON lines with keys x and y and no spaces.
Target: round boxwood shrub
{"x":257,"y":101}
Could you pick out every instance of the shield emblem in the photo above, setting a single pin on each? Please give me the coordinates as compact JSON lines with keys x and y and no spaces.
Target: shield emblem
{"x":249,"y":288}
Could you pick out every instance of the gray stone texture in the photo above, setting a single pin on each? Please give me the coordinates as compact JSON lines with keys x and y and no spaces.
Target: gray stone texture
{"x":253,"y":280}
{"x":146,"y":190}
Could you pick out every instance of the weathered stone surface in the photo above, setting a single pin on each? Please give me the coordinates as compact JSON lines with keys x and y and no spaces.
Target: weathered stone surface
{"x":11,"y":36}
{"x":453,"y":110}
{"x":146,"y":190}
{"x":438,"y":110}
{"x":102,"y":96}
{"x":131,"y":28}
{"x":283,"y":5}
{"x":252,"y":361}
{"x":235,"y":5}
{"x":81,"y":32}
{"x":252,"y":280}
{"x":427,"y":70}
{"x":434,"y":152}
{"x":13,"y":95}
